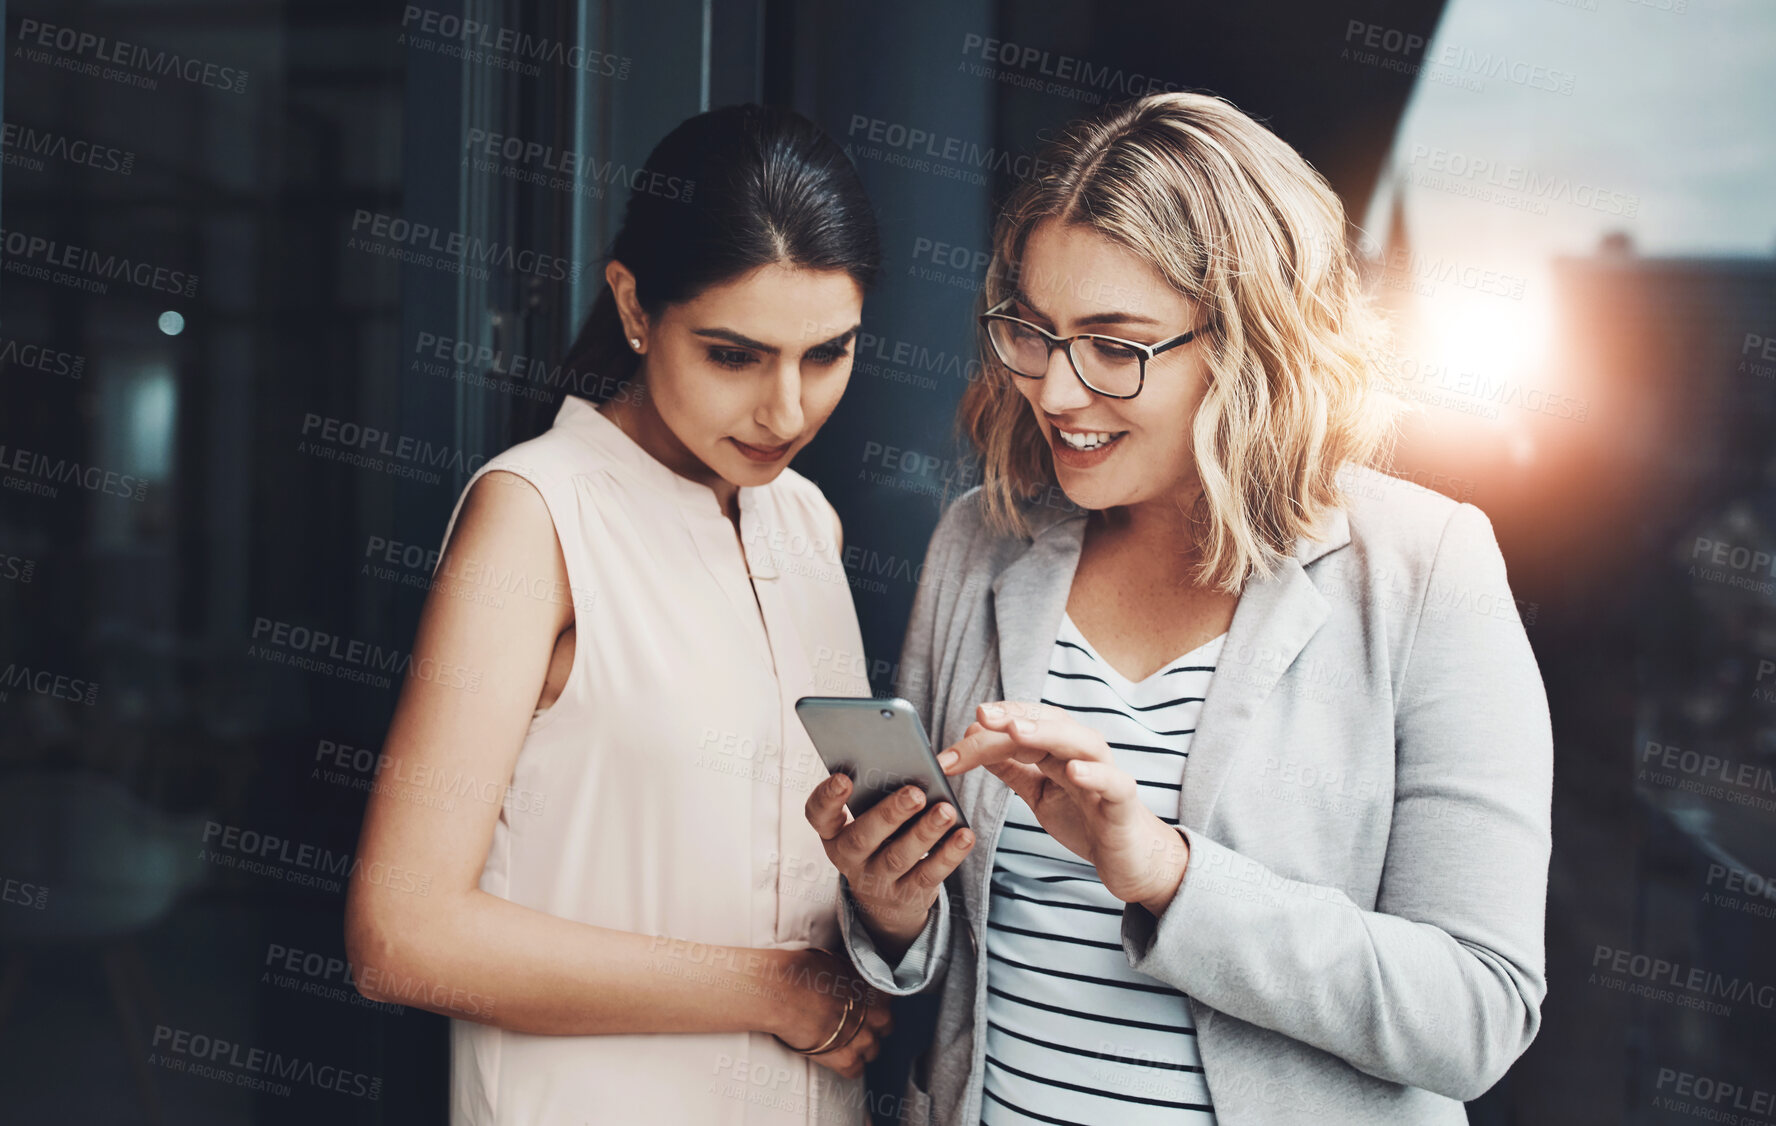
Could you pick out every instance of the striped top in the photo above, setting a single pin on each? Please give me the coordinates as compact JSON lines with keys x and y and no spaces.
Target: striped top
{"x":1073,"y":1034}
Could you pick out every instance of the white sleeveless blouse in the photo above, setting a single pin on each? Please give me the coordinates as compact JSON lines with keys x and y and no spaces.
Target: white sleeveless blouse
{"x":664,"y":788}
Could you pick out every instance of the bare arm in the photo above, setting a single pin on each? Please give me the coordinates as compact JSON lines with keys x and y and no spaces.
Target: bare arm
{"x":462,"y":952}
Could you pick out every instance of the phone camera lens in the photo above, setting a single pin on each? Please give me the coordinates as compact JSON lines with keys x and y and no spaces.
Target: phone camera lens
{"x":887,"y":713}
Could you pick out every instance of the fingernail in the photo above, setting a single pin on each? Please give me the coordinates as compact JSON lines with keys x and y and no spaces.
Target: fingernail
{"x":964,"y":839}
{"x":911,"y":798}
{"x":944,"y":814}
{"x":947,"y":759}
{"x":992,"y":711}
{"x":1025,"y":726}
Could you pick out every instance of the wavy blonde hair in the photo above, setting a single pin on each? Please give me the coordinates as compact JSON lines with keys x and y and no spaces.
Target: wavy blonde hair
{"x":1239,"y":222}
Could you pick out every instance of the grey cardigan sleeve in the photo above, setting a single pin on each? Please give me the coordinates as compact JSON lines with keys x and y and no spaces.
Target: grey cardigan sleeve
{"x":922,"y":967}
{"x":1441,"y":985}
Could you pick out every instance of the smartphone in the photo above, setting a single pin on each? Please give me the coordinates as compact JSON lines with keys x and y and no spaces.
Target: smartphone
{"x":881,"y":744}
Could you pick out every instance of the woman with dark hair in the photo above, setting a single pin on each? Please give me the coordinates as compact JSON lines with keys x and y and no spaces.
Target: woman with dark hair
{"x":619,"y":901}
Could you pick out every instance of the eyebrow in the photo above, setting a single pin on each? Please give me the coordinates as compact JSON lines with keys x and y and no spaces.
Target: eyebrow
{"x":743,"y":341}
{"x":1111,"y":318}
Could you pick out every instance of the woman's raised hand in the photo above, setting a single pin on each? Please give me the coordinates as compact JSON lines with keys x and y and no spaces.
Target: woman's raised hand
{"x":893,"y":881}
{"x":1066,"y":774}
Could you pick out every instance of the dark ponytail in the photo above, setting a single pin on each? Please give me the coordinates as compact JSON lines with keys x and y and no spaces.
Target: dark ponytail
{"x":725,"y":192}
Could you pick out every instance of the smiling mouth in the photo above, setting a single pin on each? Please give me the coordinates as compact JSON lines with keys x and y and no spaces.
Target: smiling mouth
{"x":762,"y":453}
{"x":1084,"y":440}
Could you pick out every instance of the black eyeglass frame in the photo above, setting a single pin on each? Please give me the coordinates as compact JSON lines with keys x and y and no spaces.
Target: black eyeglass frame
{"x":1146,"y":352}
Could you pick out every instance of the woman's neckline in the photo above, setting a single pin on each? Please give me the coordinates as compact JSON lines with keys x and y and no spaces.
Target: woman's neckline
{"x":601,"y":428}
{"x":1169,"y":666}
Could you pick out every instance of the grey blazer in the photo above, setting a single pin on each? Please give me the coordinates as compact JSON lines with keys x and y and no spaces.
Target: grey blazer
{"x":1366,"y":801}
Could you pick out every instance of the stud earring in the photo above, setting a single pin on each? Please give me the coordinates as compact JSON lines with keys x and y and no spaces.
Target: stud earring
{"x":635,"y":343}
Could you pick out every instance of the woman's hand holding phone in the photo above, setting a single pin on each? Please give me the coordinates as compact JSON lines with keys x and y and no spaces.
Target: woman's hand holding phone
{"x":893,"y":880}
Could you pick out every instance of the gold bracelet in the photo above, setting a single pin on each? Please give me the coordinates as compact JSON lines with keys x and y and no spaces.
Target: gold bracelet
{"x":862,"y":1019}
{"x":826,"y":1044}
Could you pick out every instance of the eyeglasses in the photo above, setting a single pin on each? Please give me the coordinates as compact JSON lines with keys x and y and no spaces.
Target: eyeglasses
{"x":1109,"y":365}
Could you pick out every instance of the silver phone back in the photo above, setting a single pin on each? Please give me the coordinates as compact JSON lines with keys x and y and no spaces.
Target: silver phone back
{"x":880,"y":743}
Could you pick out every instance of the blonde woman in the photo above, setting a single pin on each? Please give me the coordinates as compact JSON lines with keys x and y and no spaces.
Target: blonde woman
{"x":1263,"y":791}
